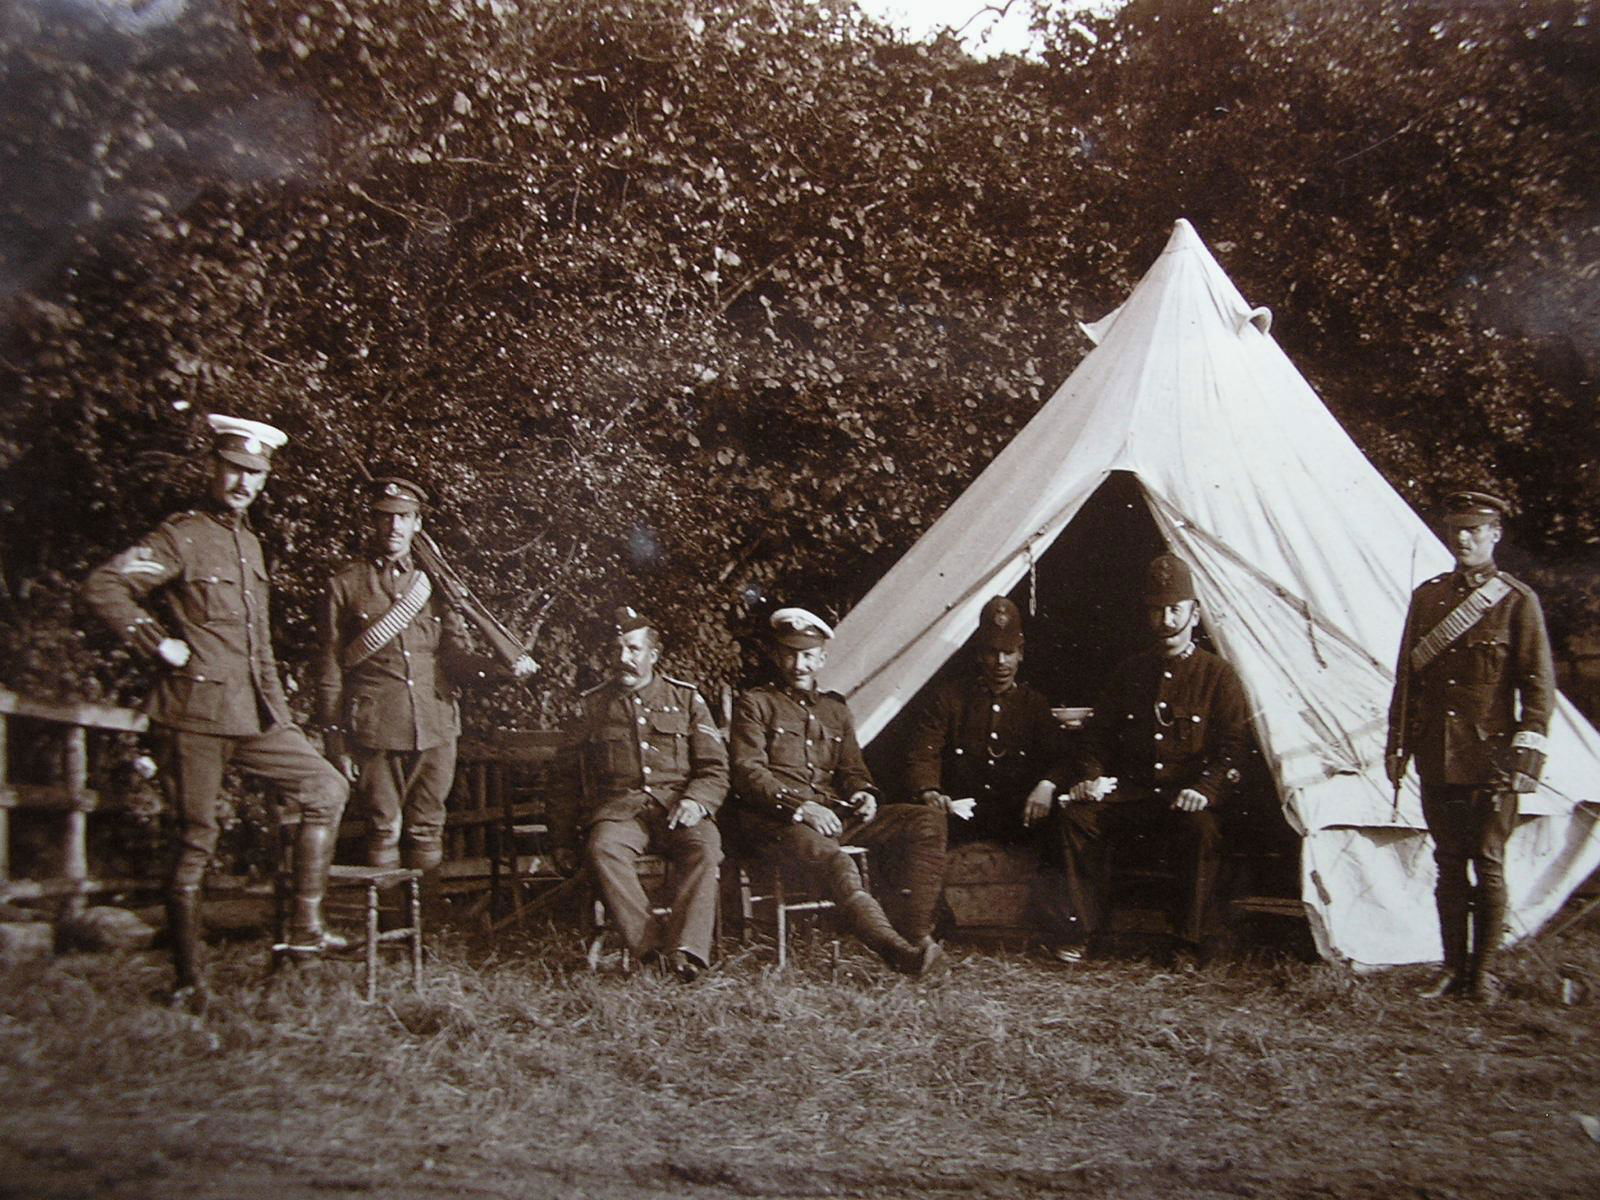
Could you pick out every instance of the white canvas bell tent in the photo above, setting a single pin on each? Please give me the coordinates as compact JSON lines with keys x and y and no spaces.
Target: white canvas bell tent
{"x":1304,"y":559}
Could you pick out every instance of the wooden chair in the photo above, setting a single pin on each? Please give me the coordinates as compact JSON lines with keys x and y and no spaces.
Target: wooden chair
{"x":655,"y":872}
{"x":761,"y":881}
{"x":352,"y":891}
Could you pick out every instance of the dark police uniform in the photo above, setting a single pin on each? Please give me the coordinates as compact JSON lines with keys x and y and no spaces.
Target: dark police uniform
{"x":1473,"y":711}
{"x":793,"y":746}
{"x":622,"y":766}
{"x":994,"y":747}
{"x":1163,"y":724}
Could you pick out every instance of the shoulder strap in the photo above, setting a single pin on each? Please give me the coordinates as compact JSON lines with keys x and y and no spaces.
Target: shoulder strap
{"x":389,"y":626}
{"x":1458,"y":620}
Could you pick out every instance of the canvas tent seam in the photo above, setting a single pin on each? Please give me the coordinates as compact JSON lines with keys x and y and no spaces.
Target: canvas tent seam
{"x":1188,"y":524}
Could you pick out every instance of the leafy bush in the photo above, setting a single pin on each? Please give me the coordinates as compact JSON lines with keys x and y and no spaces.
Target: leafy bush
{"x":691,"y":306}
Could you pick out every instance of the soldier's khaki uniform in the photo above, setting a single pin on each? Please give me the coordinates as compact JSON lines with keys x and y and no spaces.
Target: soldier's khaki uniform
{"x":397,"y":707}
{"x":227,"y":703}
{"x":790,"y":747}
{"x":622,"y":766}
{"x":1473,"y":720}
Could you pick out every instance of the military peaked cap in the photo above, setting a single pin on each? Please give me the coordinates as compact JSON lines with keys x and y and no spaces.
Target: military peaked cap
{"x":245,"y":443}
{"x":393,"y":494}
{"x":1469,"y":507}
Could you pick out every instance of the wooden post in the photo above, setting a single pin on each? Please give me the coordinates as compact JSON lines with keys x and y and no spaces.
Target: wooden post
{"x":5,"y":813}
{"x":75,"y":852}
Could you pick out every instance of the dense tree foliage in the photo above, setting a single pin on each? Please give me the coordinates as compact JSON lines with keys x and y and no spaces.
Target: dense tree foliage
{"x":689,"y":305}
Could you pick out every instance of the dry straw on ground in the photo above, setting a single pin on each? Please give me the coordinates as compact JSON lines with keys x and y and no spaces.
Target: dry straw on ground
{"x":519,"y":1073}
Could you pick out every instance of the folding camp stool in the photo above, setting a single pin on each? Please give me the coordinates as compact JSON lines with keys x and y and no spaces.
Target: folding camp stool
{"x":348,"y":880}
{"x":770,"y":873}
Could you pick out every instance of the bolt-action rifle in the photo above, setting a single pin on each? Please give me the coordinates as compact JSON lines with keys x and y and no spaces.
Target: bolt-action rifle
{"x":508,"y":647}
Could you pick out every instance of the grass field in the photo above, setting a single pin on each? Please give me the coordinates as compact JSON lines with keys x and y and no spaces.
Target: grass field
{"x":518,"y":1073}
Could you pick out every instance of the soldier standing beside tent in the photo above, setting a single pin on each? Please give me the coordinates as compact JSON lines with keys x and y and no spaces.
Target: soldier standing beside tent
{"x":218,"y":698}
{"x":1474,"y":691}
{"x":981,"y":750}
{"x":1164,"y":749}
{"x":391,"y":653}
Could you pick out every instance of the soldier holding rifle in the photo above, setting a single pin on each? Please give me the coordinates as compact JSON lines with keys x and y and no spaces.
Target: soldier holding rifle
{"x":1474,"y":690}
{"x":393,"y":649}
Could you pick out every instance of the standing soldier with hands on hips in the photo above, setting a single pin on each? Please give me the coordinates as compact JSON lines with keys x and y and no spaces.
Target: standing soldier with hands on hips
{"x":391,"y":655}
{"x":218,"y":698}
{"x":1474,"y":691}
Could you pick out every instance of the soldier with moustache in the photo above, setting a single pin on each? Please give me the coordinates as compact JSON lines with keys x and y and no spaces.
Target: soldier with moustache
{"x":1163,"y":750}
{"x":1474,"y":692}
{"x":391,"y":656}
{"x":644,"y":770}
{"x":802,"y":784}
{"x":192,"y":597}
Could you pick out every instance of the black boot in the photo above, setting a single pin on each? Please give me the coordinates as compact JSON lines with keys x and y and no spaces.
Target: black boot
{"x":864,"y":917}
{"x":1488,"y":927}
{"x":183,"y":930}
{"x":427,"y":859}
{"x":313,"y":855}
{"x":1452,"y":977}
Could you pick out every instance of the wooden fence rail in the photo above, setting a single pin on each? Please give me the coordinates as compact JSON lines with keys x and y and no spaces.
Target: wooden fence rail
{"x":68,"y":796}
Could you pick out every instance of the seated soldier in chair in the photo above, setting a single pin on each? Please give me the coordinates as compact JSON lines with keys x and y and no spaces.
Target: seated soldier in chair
{"x":805,"y":790}
{"x":644,"y":770}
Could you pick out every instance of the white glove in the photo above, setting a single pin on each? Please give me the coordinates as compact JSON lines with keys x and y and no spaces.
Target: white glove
{"x":174,"y":652}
